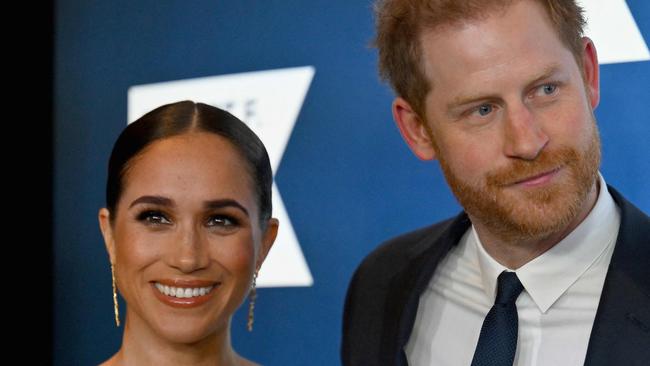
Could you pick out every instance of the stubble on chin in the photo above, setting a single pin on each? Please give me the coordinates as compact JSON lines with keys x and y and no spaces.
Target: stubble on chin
{"x":514,"y":214}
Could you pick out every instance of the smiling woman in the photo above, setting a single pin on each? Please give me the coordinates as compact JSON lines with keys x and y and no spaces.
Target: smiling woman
{"x":187,"y":225}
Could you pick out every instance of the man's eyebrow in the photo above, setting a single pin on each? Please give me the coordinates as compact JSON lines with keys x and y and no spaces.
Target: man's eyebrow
{"x":156,"y":200}
{"x":226,"y":202}
{"x":547,"y":73}
{"x":469,"y":99}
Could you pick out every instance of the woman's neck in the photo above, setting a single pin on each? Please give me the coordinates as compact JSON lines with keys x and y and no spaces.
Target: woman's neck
{"x":142,"y":346}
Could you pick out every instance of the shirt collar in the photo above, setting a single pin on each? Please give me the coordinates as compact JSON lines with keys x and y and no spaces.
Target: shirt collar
{"x":548,"y":276}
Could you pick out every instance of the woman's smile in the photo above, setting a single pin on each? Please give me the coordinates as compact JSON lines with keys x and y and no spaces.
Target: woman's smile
{"x":184,"y":296}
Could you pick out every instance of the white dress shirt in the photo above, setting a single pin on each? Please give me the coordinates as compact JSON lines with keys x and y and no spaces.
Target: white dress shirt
{"x":556,"y":310}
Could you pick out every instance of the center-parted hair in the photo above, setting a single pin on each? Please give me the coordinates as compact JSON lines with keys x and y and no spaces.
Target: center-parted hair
{"x":185,"y":117}
{"x":400,"y":24}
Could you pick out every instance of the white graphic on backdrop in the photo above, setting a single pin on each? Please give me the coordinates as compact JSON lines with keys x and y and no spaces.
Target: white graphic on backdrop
{"x":614,"y":31}
{"x":269,"y":103}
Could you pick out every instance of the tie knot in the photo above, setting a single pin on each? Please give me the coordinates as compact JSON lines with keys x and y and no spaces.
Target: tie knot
{"x":508,"y":288}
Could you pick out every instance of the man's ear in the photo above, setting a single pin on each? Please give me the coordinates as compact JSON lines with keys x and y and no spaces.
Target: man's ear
{"x":590,"y":71}
{"x":107,"y":232}
{"x":413,"y":129}
{"x":268,"y":239}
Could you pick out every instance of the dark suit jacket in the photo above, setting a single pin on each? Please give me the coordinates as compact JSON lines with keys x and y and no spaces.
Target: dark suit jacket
{"x":383,"y":296}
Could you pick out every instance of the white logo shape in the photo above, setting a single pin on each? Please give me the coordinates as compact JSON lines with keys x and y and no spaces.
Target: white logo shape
{"x":614,"y":31}
{"x":269,"y":103}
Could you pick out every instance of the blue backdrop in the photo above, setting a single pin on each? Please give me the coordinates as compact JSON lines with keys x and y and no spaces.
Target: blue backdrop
{"x":347,"y":179}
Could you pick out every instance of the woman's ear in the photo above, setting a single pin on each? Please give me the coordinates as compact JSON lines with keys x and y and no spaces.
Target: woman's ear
{"x":104,"y":217}
{"x":268,"y":239}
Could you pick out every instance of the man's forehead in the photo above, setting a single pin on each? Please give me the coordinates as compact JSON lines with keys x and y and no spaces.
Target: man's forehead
{"x":458,"y":19}
{"x":485,"y":43}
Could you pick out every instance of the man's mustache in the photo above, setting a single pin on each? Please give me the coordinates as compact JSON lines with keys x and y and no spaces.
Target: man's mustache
{"x":521,"y":170}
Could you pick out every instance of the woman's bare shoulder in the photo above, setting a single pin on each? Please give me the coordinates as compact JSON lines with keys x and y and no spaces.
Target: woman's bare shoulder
{"x":247,"y":362}
{"x":111,"y":361}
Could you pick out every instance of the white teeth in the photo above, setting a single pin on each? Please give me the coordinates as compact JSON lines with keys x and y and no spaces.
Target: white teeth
{"x":181,"y":292}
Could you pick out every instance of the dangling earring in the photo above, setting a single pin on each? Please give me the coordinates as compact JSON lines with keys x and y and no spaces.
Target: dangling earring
{"x":115,"y":308}
{"x":251,"y":303}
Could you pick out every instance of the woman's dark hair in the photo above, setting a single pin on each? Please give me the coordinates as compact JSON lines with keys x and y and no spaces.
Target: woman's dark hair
{"x":183,"y":117}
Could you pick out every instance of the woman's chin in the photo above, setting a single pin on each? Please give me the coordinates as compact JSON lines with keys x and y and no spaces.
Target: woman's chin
{"x":188,"y":333}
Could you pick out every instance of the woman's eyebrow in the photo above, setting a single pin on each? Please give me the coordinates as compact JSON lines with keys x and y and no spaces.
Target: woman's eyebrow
{"x":225,"y":202}
{"x":156,"y":200}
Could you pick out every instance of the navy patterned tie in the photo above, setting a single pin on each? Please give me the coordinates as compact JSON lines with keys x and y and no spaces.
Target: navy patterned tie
{"x":498,"y":340}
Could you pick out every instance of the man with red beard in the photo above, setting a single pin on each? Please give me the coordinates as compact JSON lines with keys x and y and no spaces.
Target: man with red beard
{"x":547,"y":265}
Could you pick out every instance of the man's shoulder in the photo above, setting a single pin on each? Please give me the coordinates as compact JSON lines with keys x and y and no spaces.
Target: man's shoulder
{"x":399,"y":251}
{"x":384,"y":281}
{"x":632,"y":215}
{"x":632,"y":250}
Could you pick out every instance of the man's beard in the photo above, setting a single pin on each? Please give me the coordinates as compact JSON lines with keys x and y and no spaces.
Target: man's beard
{"x":538,"y":212}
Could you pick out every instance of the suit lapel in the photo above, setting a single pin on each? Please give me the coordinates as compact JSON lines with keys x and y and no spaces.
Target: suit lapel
{"x":409,"y":283}
{"x":621,"y":331}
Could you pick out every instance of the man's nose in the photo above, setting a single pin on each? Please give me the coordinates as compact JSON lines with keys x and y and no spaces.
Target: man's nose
{"x":524,"y":135}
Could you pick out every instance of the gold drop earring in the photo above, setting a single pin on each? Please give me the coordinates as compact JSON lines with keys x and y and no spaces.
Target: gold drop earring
{"x":252,"y":295}
{"x":115,"y":306}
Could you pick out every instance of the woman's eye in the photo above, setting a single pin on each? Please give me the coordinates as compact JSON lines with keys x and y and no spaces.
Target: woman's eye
{"x":221,"y":220}
{"x":154,"y":217}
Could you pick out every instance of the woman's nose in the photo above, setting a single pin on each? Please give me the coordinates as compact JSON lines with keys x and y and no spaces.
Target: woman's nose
{"x":189,"y":252}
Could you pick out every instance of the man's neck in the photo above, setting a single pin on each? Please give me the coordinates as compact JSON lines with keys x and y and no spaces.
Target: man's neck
{"x":514,"y":254}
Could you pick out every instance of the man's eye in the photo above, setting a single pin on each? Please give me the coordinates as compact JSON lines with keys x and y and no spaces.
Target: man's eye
{"x":484,"y":109}
{"x":154,"y":217}
{"x":549,"y":89}
{"x":545,"y":90}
